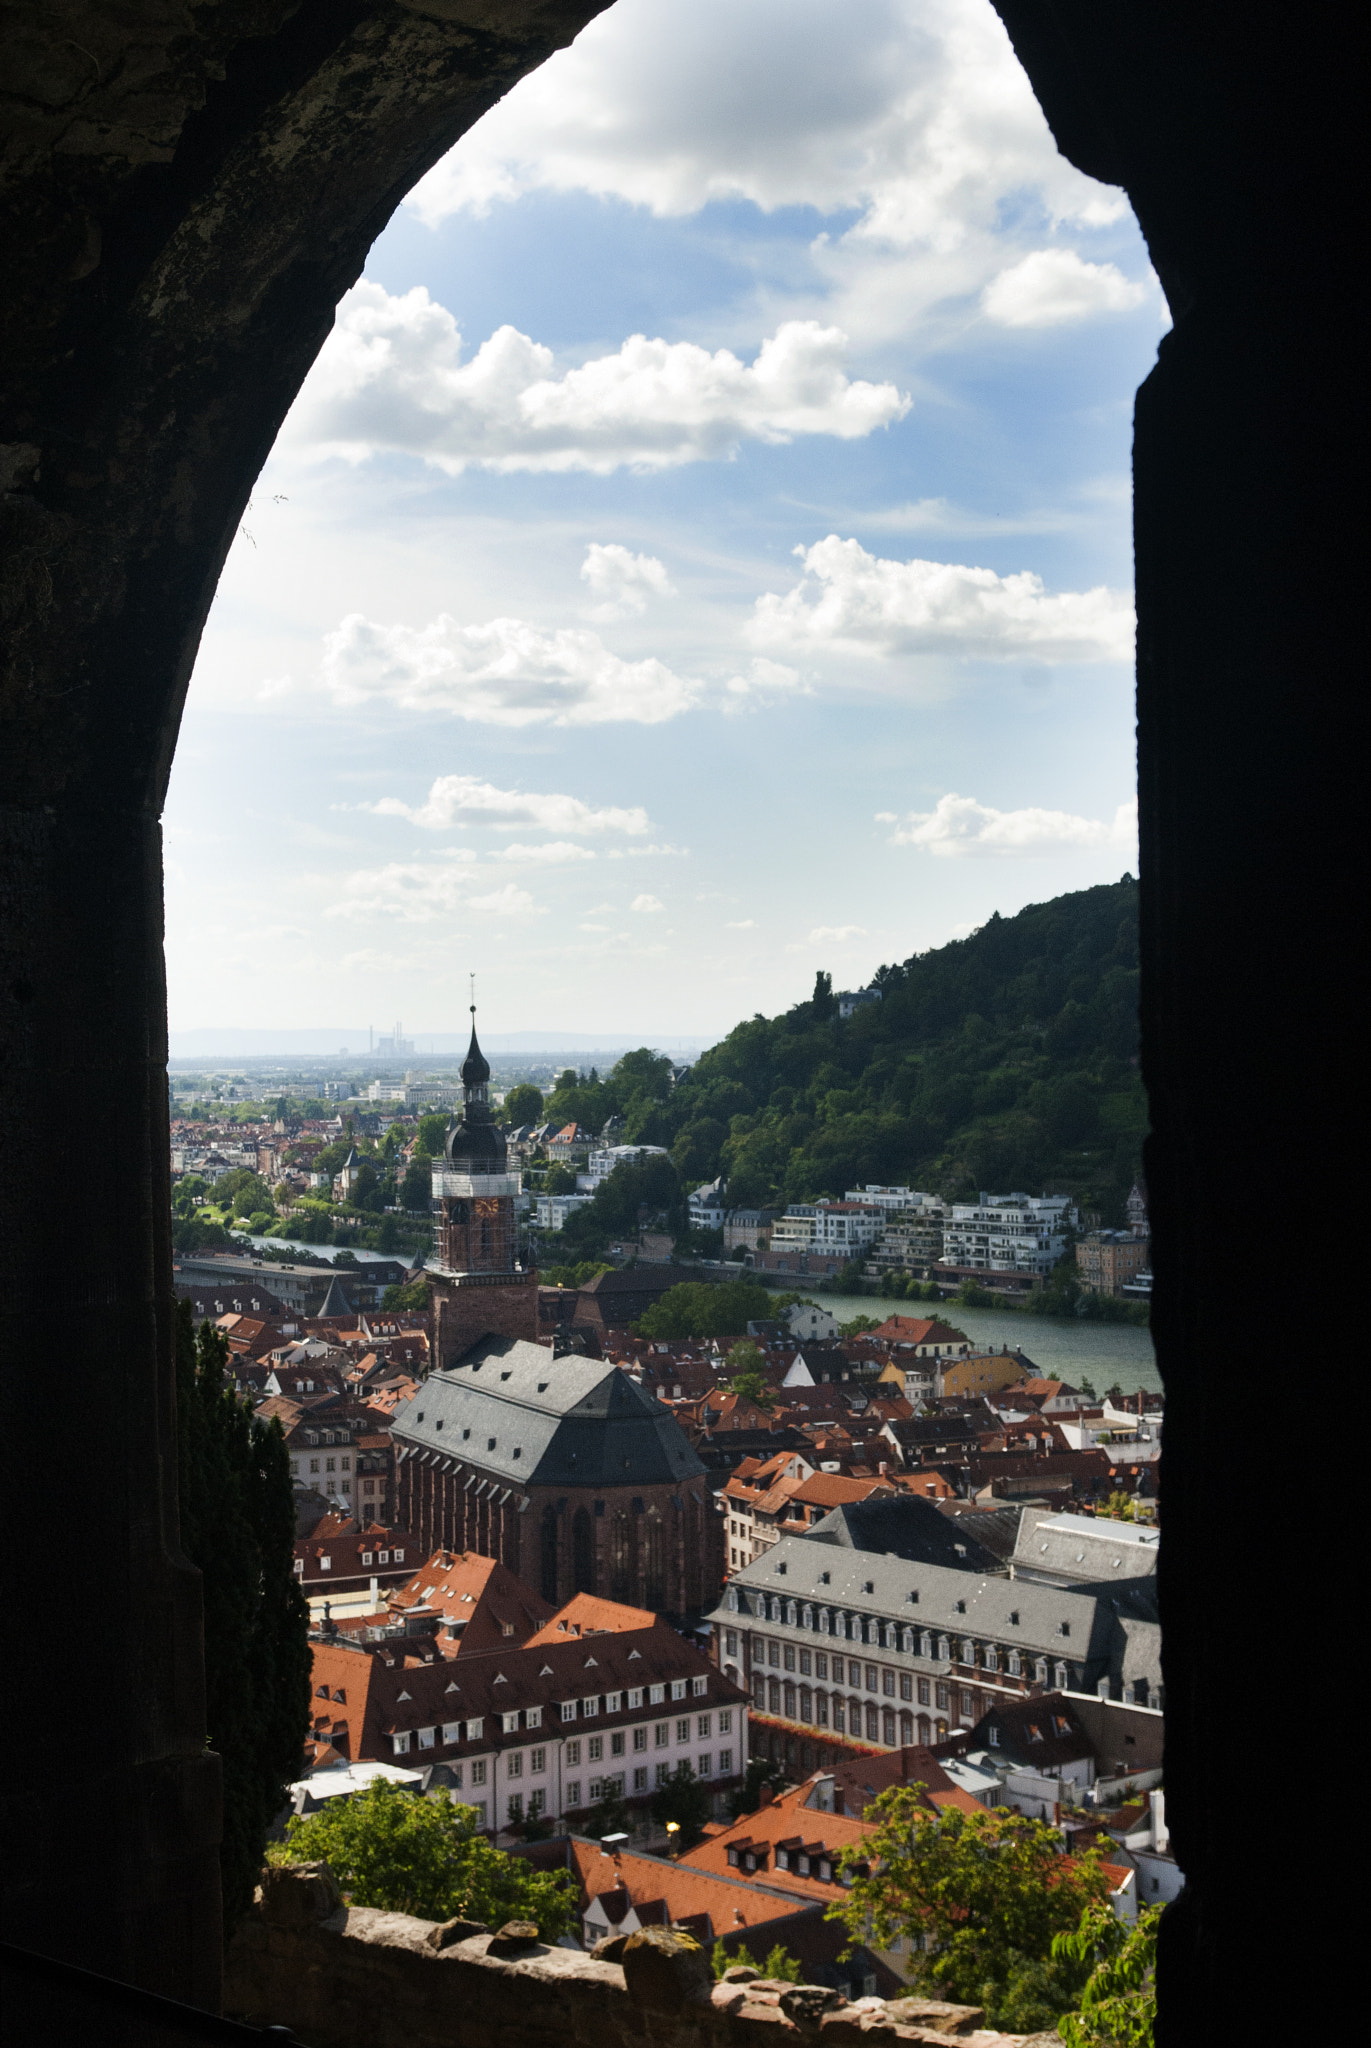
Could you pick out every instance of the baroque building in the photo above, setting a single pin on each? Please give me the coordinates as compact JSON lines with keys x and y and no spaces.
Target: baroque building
{"x":479,"y":1288}
{"x":566,"y":1471}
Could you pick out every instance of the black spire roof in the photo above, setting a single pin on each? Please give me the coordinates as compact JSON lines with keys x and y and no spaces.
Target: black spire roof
{"x":475,"y":1141}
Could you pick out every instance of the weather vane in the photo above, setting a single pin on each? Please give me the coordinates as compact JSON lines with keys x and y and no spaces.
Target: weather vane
{"x":472,"y":979}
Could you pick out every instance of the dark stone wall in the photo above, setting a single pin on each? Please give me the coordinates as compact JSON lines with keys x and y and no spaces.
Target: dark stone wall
{"x":1234,"y":131}
{"x":185,"y":193}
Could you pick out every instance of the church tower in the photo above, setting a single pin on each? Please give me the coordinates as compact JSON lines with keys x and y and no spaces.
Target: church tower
{"x":479,"y":1288}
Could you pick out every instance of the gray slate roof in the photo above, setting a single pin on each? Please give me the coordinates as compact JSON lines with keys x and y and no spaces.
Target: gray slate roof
{"x":511,"y":1408}
{"x":1085,"y":1547}
{"x":799,"y":1569}
{"x":906,"y":1527}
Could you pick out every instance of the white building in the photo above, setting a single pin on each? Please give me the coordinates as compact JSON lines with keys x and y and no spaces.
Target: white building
{"x":706,"y":1206}
{"x":828,"y":1226}
{"x":551,"y":1211}
{"x":601,"y":1164}
{"x":896,"y":1200}
{"x":1014,"y":1233}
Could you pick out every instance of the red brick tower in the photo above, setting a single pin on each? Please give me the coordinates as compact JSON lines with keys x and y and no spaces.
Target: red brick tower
{"x":479,"y":1288}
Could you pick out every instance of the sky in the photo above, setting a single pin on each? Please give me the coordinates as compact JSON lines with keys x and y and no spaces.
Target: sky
{"x":699,"y":556}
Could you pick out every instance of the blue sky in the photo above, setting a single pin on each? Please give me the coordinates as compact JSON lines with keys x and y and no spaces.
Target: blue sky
{"x":700,"y":555}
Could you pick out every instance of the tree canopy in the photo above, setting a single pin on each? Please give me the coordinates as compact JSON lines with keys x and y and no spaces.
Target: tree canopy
{"x":684,"y":1799}
{"x":696,"y":1308}
{"x":524,"y":1104}
{"x":391,"y":1848}
{"x":979,"y":1899}
{"x":1006,"y":1059}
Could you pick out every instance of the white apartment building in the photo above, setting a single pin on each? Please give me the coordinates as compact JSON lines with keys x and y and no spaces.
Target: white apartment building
{"x":828,"y":1226}
{"x":1013,"y":1233}
{"x":601,"y":1164}
{"x":896,"y":1200}
{"x":551,"y":1211}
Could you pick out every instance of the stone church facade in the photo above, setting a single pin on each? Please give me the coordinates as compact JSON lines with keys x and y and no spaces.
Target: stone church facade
{"x":566,"y":1471}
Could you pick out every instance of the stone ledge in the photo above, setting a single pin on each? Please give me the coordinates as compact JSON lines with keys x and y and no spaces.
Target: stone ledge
{"x":355,"y":1977}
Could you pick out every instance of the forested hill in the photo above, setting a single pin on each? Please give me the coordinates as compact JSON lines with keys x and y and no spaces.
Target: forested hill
{"x":1004,"y":1060}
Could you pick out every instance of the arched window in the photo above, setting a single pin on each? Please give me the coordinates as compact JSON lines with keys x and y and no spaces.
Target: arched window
{"x":806,"y":1616}
{"x":906,"y":1730}
{"x":733,"y":1601}
{"x":824,"y":1620}
{"x":582,"y":1552}
{"x":968,"y":1650}
{"x":774,"y":1695}
{"x":622,"y":1556}
{"x":788,"y":1707}
{"x":854,"y":1716}
{"x":775,"y":1607}
{"x":806,"y":1704}
{"x":1063,"y":1677}
{"x":1040,"y":1671}
{"x":925,"y":1644}
{"x":1015,"y":1664}
{"x":991,"y":1659}
{"x":892,"y":1636}
{"x":888,"y":1727}
{"x":944,"y":1648}
{"x":654,"y":1573}
{"x":790,"y":1614}
{"x":548,"y":1557}
{"x":840,"y":1625}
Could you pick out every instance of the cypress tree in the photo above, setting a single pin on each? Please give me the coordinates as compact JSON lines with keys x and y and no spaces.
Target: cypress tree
{"x":238,"y":1526}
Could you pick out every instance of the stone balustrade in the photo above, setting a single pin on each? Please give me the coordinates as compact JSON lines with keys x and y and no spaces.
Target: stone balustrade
{"x":353,"y":1977}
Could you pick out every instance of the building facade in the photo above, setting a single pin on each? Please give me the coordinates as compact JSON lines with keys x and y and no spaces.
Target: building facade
{"x":845,"y":1648}
{"x":1014,"y":1233}
{"x":479,"y":1288}
{"x":565,"y":1470}
{"x":1108,"y":1260}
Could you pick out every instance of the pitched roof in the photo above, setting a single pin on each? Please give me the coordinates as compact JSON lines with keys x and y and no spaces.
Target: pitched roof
{"x":586,"y":1615}
{"x":511,"y":1408}
{"x":904,"y":1526}
{"x":478,"y":1595}
{"x":335,"y":1302}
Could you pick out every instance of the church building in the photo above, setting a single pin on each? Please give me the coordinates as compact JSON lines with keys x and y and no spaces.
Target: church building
{"x":479,"y":1288}
{"x":566,"y":1471}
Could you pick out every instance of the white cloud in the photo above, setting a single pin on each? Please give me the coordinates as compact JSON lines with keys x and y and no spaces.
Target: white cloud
{"x":391,"y":378}
{"x":417,"y":893}
{"x":649,"y":905}
{"x":1048,"y":287}
{"x":554,"y":853}
{"x":958,"y":826}
{"x":623,"y":581}
{"x":502,"y":673}
{"x":923,"y":120}
{"x":764,"y":682}
{"x":851,"y":602}
{"x":466,"y":800}
{"x":838,"y":933}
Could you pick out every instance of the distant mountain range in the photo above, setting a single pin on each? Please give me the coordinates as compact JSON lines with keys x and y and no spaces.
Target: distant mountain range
{"x":220,"y":1042}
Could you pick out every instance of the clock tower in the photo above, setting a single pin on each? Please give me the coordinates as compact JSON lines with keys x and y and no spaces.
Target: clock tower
{"x":479,"y":1287}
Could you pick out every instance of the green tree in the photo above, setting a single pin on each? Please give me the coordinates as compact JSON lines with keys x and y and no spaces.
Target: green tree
{"x":748,"y":1367}
{"x":978,"y":1897}
{"x":779,"y":1964}
{"x":432,"y":1134}
{"x":524,"y":1104}
{"x":559,"y":1179}
{"x":416,"y":1189}
{"x":393,"y":1849}
{"x":408,"y":1294}
{"x":698,"y":1309}
{"x":684,"y":1799}
{"x":238,"y":1526}
{"x":1117,"y":2006}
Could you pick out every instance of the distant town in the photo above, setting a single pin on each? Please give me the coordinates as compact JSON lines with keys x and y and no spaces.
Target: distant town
{"x":625,"y":1537}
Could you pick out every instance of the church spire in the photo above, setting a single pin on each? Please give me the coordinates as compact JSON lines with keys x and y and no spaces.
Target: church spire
{"x":475,"y":1067}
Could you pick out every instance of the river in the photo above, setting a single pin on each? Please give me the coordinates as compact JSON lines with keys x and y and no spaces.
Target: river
{"x":1061,"y":1349}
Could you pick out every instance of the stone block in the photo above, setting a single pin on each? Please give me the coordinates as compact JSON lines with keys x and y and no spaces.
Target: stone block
{"x":939,"y":2015}
{"x":299,"y":1894}
{"x":610,"y":1948}
{"x":515,"y":1938}
{"x":806,"y":2004}
{"x":741,"y":1973}
{"x":664,"y":1969}
{"x":449,"y":1932}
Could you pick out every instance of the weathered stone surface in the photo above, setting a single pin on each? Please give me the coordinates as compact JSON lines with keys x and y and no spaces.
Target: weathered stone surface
{"x":806,"y":2004}
{"x":610,"y":1949}
{"x":741,"y":1973}
{"x":450,"y":1931}
{"x":939,"y":2014}
{"x":515,"y":1938}
{"x":299,"y":1894}
{"x":664,"y":1969}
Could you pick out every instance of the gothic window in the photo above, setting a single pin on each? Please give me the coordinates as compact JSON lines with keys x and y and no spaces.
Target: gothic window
{"x":582,"y":1552}
{"x":621,"y":1556}
{"x":654,"y":1575}
{"x":549,"y":1556}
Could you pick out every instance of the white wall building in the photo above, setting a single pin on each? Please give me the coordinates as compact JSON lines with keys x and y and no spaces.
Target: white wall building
{"x":1013,"y":1233}
{"x":601,"y":1164}
{"x":551,"y":1211}
{"x":828,"y":1226}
